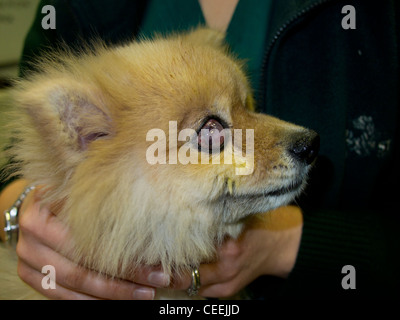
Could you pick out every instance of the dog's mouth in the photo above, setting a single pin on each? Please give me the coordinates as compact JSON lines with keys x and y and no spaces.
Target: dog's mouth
{"x":237,"y":205}
{"x":292,"y":187}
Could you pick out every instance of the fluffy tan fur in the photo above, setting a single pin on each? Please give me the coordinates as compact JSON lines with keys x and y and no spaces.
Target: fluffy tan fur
{"x":80,"y":129}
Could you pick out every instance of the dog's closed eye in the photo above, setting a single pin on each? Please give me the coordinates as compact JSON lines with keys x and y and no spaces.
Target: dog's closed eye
{"x":84,"y":140}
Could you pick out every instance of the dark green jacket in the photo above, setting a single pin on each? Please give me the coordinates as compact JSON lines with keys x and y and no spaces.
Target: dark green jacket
{"x":342,"y":83}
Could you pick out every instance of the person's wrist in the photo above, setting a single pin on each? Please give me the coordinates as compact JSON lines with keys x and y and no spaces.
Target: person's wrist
{"x":283,"y":228}
{"x":287,"y":251}
{"x":7,"y":198}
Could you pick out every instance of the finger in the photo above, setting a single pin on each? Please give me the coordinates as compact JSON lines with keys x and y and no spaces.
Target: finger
{"x":208,"y":275}
{"x":38,"y":220}
{"x":222,"y":289}
{"x":224,"y":269}
{"x":214,"y":283}
{"x":211,"y":286}
{"x":150,"y":276}
{"x":32,"y":277}
{"x":76,"y":278}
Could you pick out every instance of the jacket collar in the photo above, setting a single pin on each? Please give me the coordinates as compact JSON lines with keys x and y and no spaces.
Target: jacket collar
{"x":286,"y":12}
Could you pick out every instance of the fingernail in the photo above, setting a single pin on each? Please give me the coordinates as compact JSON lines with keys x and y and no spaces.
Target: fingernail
{"x":158,"y":279}
{"x":144,"y":294}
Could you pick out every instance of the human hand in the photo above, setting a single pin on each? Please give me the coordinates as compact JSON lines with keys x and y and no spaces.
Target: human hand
{"x":268,"y":246}
{"x":41,"y":236}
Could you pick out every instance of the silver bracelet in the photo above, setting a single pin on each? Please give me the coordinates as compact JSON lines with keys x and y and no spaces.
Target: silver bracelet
{"x":11,"y":217}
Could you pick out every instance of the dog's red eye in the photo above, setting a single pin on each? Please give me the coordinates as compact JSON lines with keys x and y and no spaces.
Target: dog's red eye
{"x":211,"y":136}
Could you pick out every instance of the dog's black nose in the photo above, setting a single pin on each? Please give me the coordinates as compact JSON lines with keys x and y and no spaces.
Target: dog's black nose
{"x":306,"y":146}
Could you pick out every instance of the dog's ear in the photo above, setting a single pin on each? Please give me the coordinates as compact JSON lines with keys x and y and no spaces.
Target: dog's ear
{"x":208,"y":37}
{"x":66,"y":112}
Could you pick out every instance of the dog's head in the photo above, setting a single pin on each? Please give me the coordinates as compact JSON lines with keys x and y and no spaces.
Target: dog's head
{"x":155,"y":150}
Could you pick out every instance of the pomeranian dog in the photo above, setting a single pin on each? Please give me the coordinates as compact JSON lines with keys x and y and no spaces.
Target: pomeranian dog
{"x":154,"y":150}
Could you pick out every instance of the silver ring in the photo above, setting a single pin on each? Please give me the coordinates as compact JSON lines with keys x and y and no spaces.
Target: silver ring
{"x":195,"y":286}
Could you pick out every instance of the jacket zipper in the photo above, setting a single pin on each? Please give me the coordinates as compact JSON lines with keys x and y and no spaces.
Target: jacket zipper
{"x":278,"y":34}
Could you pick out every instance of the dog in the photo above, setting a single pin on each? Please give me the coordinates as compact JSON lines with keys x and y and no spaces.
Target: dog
{"x":101,"y":131}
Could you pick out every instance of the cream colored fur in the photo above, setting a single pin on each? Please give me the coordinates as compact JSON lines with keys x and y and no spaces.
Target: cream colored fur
{"x":80,"y":126}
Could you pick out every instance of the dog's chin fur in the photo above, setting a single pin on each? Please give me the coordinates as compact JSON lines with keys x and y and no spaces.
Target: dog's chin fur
{"x":155,"y":223}
{"x":80,"y":129}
